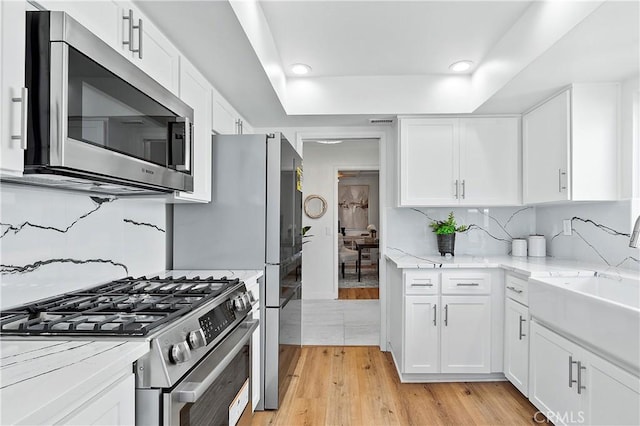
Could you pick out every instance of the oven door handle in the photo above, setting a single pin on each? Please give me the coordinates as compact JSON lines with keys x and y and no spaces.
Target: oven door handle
{"x":190,"y":391}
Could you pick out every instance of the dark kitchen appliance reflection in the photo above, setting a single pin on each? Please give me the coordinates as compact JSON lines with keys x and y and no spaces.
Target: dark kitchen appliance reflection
{"x":254,"y":222}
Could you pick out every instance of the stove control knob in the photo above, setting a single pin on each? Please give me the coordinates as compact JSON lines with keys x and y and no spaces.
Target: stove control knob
{"x":180,"y":353}
{"x":239,"y":304}
{"x":196,"y":339}
{"x":247,"y":299}
{"x":251,"y":296}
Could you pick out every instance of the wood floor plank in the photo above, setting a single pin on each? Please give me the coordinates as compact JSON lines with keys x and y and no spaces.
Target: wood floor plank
{"x":359,"y":293}
{"x":360,"y":386}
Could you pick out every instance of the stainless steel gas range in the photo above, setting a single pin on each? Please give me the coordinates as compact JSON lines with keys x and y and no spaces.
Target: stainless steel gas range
{"x":199,"y":330}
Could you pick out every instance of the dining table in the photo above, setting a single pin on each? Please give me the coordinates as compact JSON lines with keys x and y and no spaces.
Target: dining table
{"x":360,"y":247}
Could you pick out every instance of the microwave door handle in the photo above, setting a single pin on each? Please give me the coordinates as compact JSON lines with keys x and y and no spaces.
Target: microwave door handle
{"x":192,"y":391}
{"x":185,"y":161}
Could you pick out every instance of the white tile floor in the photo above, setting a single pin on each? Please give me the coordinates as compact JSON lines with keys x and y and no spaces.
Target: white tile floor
{"x":341,"y":322}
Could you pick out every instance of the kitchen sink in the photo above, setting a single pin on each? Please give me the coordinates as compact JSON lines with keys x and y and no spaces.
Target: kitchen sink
{"x":601,"y":311}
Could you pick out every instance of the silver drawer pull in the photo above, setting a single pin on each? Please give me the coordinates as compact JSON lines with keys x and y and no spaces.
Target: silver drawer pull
{"x":579,"y":383}
{"x":467,"y":284}
{"x":514,"y":289}
{"x":520,"y":333}
{"x":421,"y":285}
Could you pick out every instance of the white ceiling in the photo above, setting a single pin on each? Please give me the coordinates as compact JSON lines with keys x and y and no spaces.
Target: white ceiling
{"x":381,"y":53}
{"x":386,"y":38}
{"x":603,"y":47}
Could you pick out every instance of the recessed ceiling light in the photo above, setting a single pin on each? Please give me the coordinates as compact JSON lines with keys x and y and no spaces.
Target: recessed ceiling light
{"x":300,"y":69}
{"x":329,"y":142}
{"x":460,"y":66}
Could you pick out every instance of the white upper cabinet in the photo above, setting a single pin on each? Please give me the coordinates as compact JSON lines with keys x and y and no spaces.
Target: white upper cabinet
{"x":490,"y":161}
{"x":125,"y":28}
{"x":13,"y":95}
{"x":194,"y":91}
{"x":570,"y":145}
{"x":459,"y":161}
{"x":149,"y":49}
{"x":225,"y":120}
{"x":429,"y":165}
{"x":101,"y":17}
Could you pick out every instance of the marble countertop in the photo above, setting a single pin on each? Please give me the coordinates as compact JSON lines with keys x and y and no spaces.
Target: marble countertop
{"x":42,"y":381}
{"x":528,"y":266}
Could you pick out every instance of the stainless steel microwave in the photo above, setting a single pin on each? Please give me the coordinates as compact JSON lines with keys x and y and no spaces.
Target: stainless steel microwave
{"x":95,"y":121}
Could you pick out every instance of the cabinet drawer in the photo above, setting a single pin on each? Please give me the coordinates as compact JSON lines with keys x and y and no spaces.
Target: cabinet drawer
{"x":466,"y":283}
{"x":420,"y":282}
{"x":516,"y":289}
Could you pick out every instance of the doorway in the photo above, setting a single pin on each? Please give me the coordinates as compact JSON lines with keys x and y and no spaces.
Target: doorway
{"x":358,"y":206}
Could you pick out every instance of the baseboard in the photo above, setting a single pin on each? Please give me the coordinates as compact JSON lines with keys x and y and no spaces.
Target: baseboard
{"x":440,"y":378}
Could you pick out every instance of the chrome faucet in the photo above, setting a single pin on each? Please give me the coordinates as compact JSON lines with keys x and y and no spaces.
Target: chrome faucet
{"x":634,"y":235}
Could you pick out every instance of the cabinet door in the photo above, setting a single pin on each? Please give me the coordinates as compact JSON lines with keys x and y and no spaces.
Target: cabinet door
{"x":429,"y":165}
{"x":612,"y":396}
{"x":157,"y":56}
{"x":516,"y":345}
{"x":466,"y":334}
{"x":195,"y":91}
{"x":421,"y":334}
{"x":223,"y":120}
{"x":553,"y":366}
{"x":114,"y":406}
{"x":101,"y":17}
{"x":12,"y":113}
{"x":490,"y":161}
{"x":546,"y":142}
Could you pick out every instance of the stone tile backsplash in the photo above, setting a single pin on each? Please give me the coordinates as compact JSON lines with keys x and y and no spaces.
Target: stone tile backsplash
{"x":57,"y":241}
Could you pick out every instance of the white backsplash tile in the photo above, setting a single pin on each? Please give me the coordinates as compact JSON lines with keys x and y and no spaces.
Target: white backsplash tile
{"x":494,"y":227}
{"x":57,"y":241}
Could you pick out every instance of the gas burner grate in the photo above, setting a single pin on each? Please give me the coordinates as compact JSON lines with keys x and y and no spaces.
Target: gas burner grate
{"x":128,"y":306}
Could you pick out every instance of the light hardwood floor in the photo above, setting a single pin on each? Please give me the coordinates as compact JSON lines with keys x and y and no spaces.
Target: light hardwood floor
{"x":341,"y":385}
{"x":360,"y":293}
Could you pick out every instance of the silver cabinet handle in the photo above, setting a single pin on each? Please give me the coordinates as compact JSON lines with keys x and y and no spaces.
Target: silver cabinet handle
{"x":463,"y":188}
{"x":446,"y":315}
{"x":139,"y":28}
{"x":129,"y":19}
{"x":24,"y":110}
{"x":520,"y":333}
{"x":560,"y":174}
{"x":434,"y":314}
{"x":467,"y":284}
{"x":421,"y":285}
{"x":571,"y":362}
{"x":455,"y":184}
{"x":514,"y":289}
{"x":580,"y":368}
{"x":129,"y":43}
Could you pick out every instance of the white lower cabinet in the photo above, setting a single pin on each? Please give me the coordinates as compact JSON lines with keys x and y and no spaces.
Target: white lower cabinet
{"x":516,"y":345}
{"x":572,"y":385}
{"x":442,"y":333}
{"x":422,"y":334}
{"x":114,"y":406}
{"x":466,"y":334}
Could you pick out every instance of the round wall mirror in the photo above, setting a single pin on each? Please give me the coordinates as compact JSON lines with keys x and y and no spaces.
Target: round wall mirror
{"x":315,"y":206}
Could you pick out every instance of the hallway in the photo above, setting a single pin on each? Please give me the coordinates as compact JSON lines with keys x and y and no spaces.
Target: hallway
{"x":341,"y":322}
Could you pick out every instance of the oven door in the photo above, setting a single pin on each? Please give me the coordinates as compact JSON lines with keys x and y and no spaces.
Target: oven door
{"x":218,"y":390}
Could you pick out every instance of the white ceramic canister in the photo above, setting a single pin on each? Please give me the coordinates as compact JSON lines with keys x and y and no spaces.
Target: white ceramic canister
{"x":519,"y":247}
{"x":537,"y":246}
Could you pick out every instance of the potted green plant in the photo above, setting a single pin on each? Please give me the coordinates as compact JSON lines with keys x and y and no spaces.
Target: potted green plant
{"x":446,"y":233}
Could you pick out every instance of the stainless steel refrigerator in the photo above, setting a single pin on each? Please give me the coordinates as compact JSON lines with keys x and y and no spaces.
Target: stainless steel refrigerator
{"x":253,"y":222}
